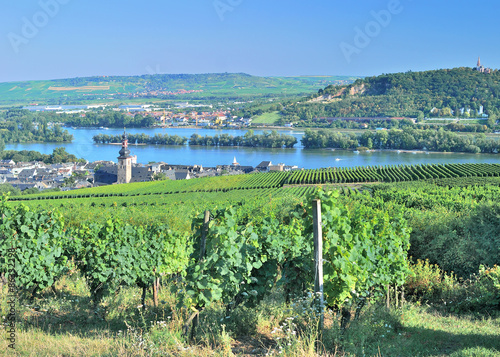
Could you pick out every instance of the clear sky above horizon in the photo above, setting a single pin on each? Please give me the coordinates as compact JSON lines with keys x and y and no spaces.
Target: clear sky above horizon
{"x":49,"y":39}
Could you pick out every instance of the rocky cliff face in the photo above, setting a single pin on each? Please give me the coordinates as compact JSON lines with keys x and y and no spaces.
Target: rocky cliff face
{"x":357,"y":89}
{"x":328,"y":97}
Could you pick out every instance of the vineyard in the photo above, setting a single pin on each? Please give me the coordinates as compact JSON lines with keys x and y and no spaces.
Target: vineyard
{"x":170,"y":208}
{"x":149,"y":251}
{"x":172,"y":201}
{"x":280,"y":179}
{"x":244,"y":258}
{"x":392,"y":173}
{"x":204,"y":184}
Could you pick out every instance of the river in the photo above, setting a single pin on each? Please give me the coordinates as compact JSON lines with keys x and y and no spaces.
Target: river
{"x":83,"y":146}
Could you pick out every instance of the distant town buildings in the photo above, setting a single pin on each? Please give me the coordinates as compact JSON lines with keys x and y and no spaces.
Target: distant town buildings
{"x":69,"y":176}
{"x":25,"y":175}
{"x":162,"y":116}
{"x":127,"y":170}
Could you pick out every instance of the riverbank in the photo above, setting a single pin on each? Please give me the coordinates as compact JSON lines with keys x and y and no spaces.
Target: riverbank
{"x":83,"y":146}
{"x":129,"y":144}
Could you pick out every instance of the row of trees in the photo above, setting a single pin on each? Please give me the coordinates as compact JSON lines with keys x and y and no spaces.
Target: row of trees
{"x":487,"y":127}
{"x":58,"y":156}
{"x":266,"y":139}
{"x":157,"y":139}
{"x":405,"y":139}
{"x":110,"y":119}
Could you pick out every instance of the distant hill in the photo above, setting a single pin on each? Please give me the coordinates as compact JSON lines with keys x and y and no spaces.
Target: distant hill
{"x":446,"y":91}
{"x":164,"y":86}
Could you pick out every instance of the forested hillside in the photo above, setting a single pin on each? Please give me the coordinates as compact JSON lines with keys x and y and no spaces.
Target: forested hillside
{"x":414,"y":94}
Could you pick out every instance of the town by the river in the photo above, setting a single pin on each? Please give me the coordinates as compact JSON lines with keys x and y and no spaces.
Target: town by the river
{"x":83,"y":147}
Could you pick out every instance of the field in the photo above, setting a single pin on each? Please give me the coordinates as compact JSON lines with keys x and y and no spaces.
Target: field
{"x":266,"y":118}
{"x":252,"y":290}
{"x":82,"y":88}
{"x":115,"y":89}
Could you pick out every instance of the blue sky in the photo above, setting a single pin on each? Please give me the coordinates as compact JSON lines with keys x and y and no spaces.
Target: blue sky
{"x":48,"y":39}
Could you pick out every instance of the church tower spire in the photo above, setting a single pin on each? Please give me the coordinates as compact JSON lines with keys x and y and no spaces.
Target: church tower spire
{"x":479,"y":62}
{"x":124,"y":161}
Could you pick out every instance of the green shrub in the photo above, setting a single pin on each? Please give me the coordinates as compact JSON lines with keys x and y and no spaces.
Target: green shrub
{"x":428,"y":282}
{"x":480,"y":293}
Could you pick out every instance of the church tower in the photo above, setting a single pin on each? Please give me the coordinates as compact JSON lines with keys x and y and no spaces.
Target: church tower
{"x":124,"y":162}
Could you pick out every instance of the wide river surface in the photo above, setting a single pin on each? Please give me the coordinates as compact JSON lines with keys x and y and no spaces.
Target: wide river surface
{"x":83,"y":147}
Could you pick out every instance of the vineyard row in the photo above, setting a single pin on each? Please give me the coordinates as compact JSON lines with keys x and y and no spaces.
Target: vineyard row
{"x":389,"y":173}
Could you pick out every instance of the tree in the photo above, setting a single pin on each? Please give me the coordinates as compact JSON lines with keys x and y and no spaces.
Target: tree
{"x":147,"y":121}
{"x":446,"y":112}
{"x":30,"y":191}
{"x":59,"y":155}
{"x":159,"y":176}
{"x":492,"y":120}
{"x":7,"y":188}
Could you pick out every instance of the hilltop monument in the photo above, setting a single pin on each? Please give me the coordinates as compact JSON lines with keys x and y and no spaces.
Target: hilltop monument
{"x":124,"y":174}
{"x":481,"y":68}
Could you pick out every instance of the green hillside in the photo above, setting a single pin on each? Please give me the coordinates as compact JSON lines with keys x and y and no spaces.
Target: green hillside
{"x":411,"y":94}
{"x":115,"y":88}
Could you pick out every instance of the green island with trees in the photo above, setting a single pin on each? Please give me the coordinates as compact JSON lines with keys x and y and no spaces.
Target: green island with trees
{"x":271,"y":139}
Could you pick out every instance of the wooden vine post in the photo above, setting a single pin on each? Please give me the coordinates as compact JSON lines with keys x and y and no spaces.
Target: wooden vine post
{"x":318,"y":263}
{"x":388,"y":297}
{"x":156,"y":286}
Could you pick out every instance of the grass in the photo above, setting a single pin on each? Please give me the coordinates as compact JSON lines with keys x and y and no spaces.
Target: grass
{"x":450,"y":335}
{"x":266,"y":118}
{"x":63,"y":323}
